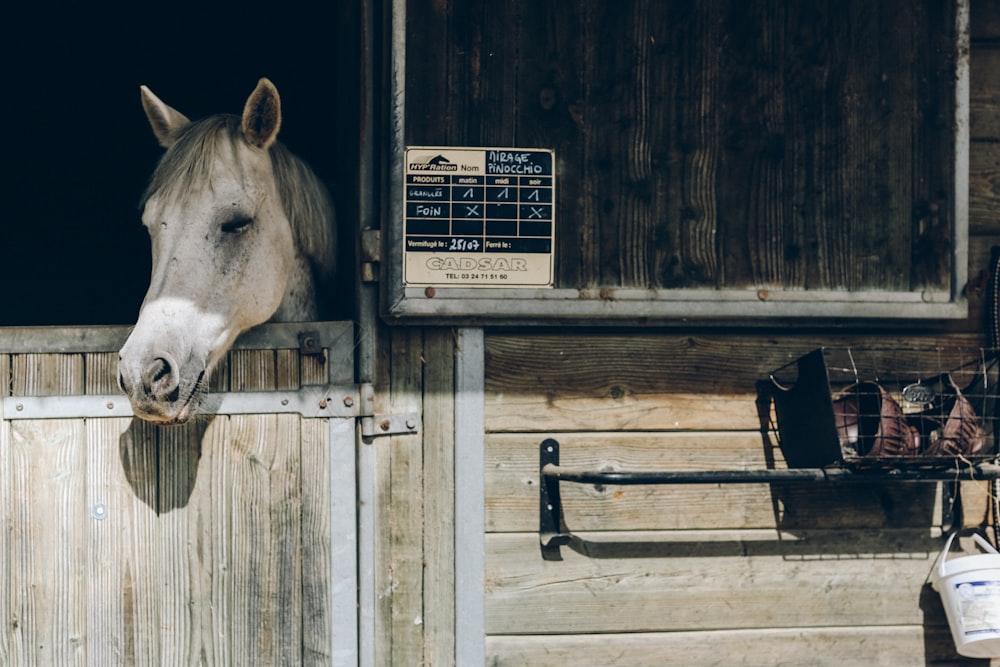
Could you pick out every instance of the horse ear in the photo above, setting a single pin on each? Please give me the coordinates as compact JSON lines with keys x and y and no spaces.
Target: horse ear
{"x":165,"y":120}
{"x":262,"y":115}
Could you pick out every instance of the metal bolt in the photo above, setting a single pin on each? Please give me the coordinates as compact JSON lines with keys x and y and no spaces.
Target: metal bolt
{"x":411,"y":424}
{"x":348,"y":401}
{"x":20,"y":407}
{"x":385,"y":424}
{"x":110,"y":405}
{"x":284,"y":401}
{"x":99,"y":512}
{"x":429,"y":292}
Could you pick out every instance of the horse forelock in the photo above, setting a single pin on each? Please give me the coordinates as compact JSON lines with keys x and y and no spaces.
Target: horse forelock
{"x":188,"y":163}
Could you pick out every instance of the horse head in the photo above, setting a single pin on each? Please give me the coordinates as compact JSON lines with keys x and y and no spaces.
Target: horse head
{"x":241,"y":233}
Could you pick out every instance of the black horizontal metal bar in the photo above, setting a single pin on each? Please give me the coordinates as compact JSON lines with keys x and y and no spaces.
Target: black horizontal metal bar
{"x":552,"y":531}
{"x":625,"y":477}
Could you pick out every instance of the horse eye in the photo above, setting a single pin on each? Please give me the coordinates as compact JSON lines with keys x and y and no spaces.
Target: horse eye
{"x":236,"y":225}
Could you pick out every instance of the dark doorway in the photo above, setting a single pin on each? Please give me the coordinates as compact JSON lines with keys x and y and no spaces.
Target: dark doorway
{"x":79,"y":149}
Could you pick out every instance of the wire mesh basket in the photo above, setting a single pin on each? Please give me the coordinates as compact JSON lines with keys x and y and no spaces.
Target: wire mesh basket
{"x":886,"y":407}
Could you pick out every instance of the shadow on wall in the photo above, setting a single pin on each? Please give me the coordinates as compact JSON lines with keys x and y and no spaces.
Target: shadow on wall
{"x":161,"y":462}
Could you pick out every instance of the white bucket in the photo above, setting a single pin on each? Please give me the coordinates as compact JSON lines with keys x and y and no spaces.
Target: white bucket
{"x":970,"y":591}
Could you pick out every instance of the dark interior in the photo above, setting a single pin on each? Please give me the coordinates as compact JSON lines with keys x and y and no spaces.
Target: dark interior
{"x":79,"y":149}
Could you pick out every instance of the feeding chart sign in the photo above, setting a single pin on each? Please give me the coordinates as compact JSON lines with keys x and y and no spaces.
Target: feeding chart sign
{"x":479,"y":217}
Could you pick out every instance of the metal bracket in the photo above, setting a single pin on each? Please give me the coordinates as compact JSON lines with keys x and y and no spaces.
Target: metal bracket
{"x":310,"y":344}
{"x":373,"y":425}
{"x":313,"y":401}
{"x":552,"y":533}
{"x":371,"y":254}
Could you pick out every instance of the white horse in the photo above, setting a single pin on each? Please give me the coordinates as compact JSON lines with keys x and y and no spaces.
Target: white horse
{"x":242,"y":233}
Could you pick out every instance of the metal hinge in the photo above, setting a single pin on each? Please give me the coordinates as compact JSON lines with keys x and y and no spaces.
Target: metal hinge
{"x":371,"y":254}
{"x":373,"y":425}
{"x":316,"y":401}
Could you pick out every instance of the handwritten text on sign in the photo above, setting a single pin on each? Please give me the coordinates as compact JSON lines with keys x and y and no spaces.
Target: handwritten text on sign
{"x":479,"y":217}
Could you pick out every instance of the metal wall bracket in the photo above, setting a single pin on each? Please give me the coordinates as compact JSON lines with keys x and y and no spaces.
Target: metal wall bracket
{"x":553,"y":533}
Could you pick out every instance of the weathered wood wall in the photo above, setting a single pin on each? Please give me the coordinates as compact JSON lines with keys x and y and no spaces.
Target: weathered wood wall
{"x":713,"y":574}
{"x":126,"y":544}
{"x":711,"y":144}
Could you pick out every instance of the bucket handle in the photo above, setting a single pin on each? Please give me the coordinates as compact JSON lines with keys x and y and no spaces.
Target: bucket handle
{"x":947,"y":547}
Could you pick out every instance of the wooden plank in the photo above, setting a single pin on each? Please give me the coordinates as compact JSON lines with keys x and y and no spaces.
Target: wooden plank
{"x":110,"y":601}
{"x":264,"y":511}
{"x":399,"y":510}
{"x":593,"y":382}
{"x":984,"y":186}
{"x":984,"y":22}
{"x":439,"y":441}
{"x":205,"y":522}
{"x":48,"y":609}
{"x":6,"y":521}
{"x":317,"y":544}
{"x":258,"y":511}
{"x":110,"y":598}
{"x":46,"y":374}
{"x":984,"y":94}
{"x":169,"y":559}
{"x":405,"y":504}
{"x":705,"y":580}
{"x":629,"y":412}
{"x":512,"y":480}
{"x":807,"y":647}
{"x":48,"y":541}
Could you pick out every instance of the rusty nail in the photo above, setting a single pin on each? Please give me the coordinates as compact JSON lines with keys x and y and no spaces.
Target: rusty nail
{"x":762,"y":294}
{"x":110,"y":405}
{"x":322,"y":404}
{"x":429,"y":292}
{"x":348,"y":401}
{"x":385,"y":424}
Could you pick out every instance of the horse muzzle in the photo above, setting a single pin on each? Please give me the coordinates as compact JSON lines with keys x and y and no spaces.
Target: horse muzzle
{"x":159,"y":389}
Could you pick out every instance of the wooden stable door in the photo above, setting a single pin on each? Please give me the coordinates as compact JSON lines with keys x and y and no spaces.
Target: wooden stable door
{"x":226,"y":541}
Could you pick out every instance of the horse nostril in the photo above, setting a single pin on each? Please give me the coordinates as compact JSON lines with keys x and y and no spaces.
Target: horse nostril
{"x":160,"y":381}
{"x":160,"y":368}
{"x":121,"y":383}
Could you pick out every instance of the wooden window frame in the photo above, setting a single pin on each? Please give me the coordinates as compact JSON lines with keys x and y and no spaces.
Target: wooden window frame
{"x":402,"y":304}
